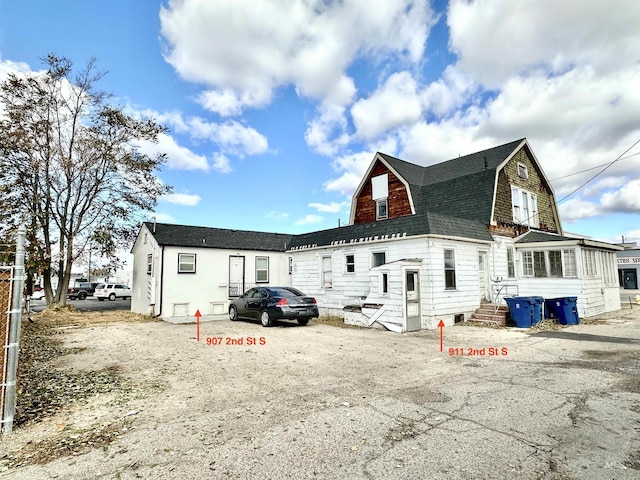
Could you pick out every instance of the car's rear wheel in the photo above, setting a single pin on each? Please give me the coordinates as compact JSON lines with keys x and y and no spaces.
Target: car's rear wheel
{"x":266,"y":319}
{"x":303,"y":321}
{"x":112,"y":296}
{"x":233,"y":313}
{"x":82,"y":296}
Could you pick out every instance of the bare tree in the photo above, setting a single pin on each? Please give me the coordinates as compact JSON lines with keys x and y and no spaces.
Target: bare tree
{"x":71,"y":169}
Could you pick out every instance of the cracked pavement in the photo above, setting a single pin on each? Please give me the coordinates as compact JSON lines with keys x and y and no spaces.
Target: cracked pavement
{"x":325,"y":402}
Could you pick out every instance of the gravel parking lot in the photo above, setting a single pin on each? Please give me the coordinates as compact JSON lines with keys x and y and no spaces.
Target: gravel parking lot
{"x":327,"y":402}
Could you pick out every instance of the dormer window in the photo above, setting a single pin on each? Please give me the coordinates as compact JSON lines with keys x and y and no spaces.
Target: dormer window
{"x":523,"y":172}
{"x":382,"y":211}
{"x":380,"y":194}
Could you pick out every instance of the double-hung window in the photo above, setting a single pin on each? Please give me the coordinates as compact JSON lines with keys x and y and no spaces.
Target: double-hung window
{"x":262,"y":269}
{"x":350,"y":263}
{"x":327,"y":279}
{"x":449,"y":269}
{"x":186,"y":263}
{"x":511,"y":266}
{"x":524,"y":205}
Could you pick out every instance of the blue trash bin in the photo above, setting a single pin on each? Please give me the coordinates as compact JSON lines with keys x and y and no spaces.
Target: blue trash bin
{"x":521,"y":310}
{"x":537,"y":305}
{"x":565,"y":310}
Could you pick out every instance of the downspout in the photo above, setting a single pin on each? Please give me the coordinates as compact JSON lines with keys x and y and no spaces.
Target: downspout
{"x":161,"y":282}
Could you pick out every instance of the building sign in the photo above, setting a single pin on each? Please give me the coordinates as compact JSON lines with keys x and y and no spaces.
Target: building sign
{"x":628,"y":260}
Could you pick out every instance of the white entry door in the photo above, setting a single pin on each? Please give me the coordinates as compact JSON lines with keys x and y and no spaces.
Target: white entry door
{"x":483,"y":277}
{"x":412,"y":299}
{"x":236,"y":275}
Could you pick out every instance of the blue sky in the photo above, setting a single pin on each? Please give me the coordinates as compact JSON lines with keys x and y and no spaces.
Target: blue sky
{"x":275,"y":109}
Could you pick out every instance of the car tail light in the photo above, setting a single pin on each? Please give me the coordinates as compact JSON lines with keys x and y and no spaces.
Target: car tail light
{"x":314,"y":300}
{"x":281,"y":302}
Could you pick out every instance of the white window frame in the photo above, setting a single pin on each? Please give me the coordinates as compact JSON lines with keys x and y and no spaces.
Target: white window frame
{"x":379,"y":203}
{"x":262,"y":270}
{"x":348,"y":264}
{"x":384,"y":283}
{"x":523,"y":171}
{"x":511,"y":262}
{"x":524,"y":205}
{"x":183,"y":263}
{"x":449,"y":269}
{"x":527,"y":264}
{"x":326,"y":269}
{"x":150,"y":264}
{"x":373,"y":258}
{"x":569,"y":263}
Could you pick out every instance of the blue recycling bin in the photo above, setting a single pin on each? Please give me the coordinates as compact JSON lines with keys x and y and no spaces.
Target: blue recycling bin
{"x":565,"y":310}
{"x":537,"y":305}
{"x":521,"y":310}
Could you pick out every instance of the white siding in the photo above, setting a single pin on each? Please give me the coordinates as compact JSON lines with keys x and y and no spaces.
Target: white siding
{"x":145,"y":288}
{"x":422,"y":254}
{"x":207,"y":289}
{"x":184,"y":293}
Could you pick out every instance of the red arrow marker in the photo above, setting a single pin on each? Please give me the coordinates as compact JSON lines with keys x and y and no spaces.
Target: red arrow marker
{"x":198,"y":315}
{"x":441,"y":326}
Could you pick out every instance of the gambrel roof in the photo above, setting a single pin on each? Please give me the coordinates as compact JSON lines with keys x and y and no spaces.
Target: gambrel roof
{"x":462,"y":187}
{"x":189,"y":236}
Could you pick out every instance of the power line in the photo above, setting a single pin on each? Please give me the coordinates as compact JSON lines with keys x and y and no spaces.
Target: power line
{"x":592,"y":168}
{"x":599,"y":173}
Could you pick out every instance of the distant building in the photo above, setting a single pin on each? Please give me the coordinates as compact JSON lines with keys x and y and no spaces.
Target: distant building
{"x":628,"y":265}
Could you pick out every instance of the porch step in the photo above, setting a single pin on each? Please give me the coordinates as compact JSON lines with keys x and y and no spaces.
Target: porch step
{"x":491,"y":313}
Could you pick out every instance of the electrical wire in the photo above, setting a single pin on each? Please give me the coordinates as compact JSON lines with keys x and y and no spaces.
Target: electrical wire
{"x":599,"y":173}
{"x":589,"y":169}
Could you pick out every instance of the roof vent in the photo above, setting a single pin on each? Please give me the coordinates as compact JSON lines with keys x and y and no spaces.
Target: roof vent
{"x":204,"y":241}
{"x":486,"y":165}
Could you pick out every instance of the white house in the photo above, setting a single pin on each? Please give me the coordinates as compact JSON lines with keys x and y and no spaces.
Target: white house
{"x":424,"y":244}
{"x":181,"y":269}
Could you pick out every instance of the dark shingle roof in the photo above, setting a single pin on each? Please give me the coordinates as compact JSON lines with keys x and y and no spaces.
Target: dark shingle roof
{"x":189,"y":236}
{"x":462,"y":187}
{"x":429,"y":223}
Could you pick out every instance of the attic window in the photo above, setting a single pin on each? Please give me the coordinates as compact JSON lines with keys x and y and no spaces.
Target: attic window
{"x":523,"y":172}
{"x":382,"y":210}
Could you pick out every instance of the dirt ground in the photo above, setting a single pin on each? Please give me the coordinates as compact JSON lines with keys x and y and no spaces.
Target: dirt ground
{"x":116,"y":395}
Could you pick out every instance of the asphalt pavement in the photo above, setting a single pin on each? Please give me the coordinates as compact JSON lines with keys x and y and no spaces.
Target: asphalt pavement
{"x":90,"y":304}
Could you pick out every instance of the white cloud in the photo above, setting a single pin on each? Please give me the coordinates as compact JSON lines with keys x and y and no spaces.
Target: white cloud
{"x":231,"y":136}
{"x":498,"y":39}
{"x":310,"y":220}
{"x":185,"y":199}
{"x":576,"y":209}
{"x":351,"y":169}
{"x":333,"y":207}
{"x":395,"y":104}
{"x":327,"y":132}
{"x":245,"y":50}
{"x":221,"y":163}
{"x":178,"y":157}
{"x":624,"y":200}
